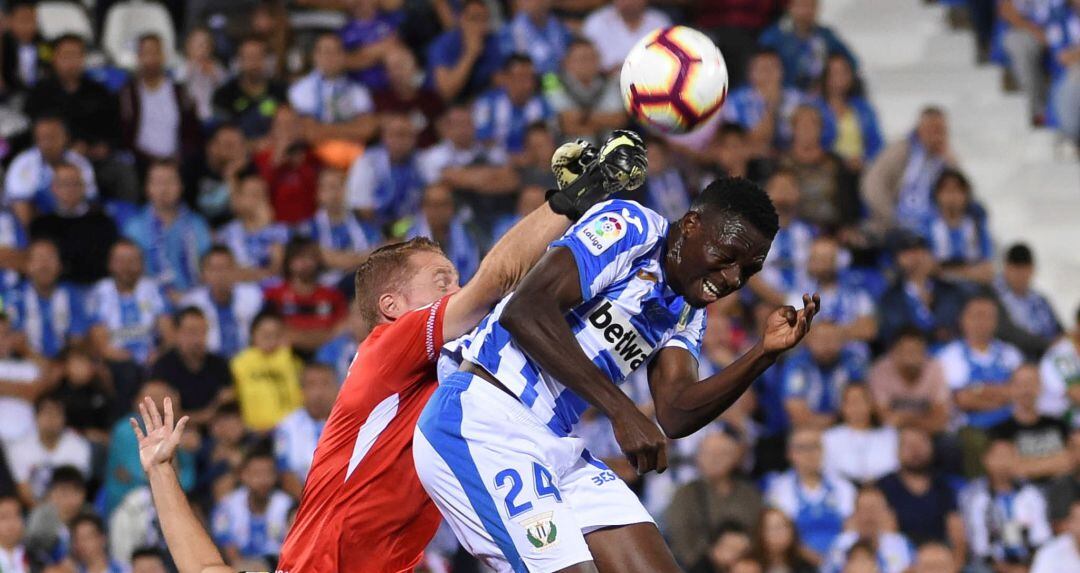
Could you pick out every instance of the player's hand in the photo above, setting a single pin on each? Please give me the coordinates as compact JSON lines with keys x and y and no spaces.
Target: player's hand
{"x":587,"y":176}
{"x":786,"y":327}
{"x":642,"y":441}
{"x":158,"y":445}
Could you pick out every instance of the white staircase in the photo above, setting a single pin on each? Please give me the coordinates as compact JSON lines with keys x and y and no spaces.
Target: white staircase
{"x":910,"y":58}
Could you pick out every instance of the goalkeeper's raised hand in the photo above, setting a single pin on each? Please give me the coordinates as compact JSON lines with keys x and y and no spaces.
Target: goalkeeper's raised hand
{"x":586,"y":176}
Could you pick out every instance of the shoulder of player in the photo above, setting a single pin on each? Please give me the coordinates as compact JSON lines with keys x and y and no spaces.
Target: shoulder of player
{"x":639,"y":217}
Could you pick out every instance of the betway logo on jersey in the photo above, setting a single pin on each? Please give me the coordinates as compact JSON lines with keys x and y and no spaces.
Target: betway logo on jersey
{"x":613,"y":330}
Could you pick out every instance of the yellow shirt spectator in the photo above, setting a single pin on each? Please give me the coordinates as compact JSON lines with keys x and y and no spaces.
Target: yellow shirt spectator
{"x":267,"y":386}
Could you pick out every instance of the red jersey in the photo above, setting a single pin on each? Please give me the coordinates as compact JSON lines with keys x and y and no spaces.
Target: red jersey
{"x":292,"y":186}
{"x":321,"y":309}
{"x":363,"y":508}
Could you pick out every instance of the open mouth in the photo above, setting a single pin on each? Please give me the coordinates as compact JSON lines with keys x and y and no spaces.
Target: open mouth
{"x":711,"y":288}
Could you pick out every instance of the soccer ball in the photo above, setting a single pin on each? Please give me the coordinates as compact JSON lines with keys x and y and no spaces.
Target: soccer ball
{"x":674,"y":80}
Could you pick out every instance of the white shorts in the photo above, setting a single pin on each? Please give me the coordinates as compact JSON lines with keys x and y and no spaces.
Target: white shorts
{"x":517,"y":496}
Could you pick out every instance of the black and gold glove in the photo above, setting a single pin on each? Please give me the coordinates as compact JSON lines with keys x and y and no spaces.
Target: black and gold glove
{"x":586,"y":176}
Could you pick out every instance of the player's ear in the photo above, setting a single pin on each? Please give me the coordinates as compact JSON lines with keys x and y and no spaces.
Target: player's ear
{"x":690,"y":223}
{"x":390,"y":306}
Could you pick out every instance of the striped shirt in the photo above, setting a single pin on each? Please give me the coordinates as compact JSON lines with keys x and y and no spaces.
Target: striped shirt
{"x":627,"y":315}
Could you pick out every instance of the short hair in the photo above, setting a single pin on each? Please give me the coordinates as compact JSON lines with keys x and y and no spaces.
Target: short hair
{"x":950,"y":173}
{"x":728,"y":129}
{"x":69,"y":38}
{"x":263,"y":316}
{"x":517,"y":58}
{"x":258,"y":452}
{"x":187,"y":311}
{"x":149,"y":37}
{"x":252,"y":39}
{"x":1019,"y":254}
{"x":48,"y":398}
{"x":65,"y":164}
{"x":88,"y":518}
{"x":163,"y":163}
{"x":147,"y":552}
{"x":909,"y":331}
{"x":293,"y":249}
{"x":767,"y":52}
{"x":215,"y":250}
{"x":981,"y":295}
{"x":67,"y":475}
{"x":12,"y":498}
{"x":931,"y":110}
{"x":385,"y":269}
{"x":742,"y":198}
{"x":230,"y":408}
{"x":316,"y":366}
{"x":51,"y":117}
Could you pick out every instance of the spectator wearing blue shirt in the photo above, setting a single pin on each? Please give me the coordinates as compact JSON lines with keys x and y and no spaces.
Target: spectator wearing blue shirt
{"x":536,"y":32}
{"x":385,"y":183}
{"x":666,"y":191}
{"x":250,"y":522}
{"x":123,"y":472}
{"x":255,"y":240}
{"x":851,"y":125}
{"x":917,"y":297}
{"x":785,"y":266}
{"x":816,"y":502}
{"x":1063,"y":35}
{"x":339,"y":352}
{"x":29,"y":179}
{"x":89,"y":547}
{"x":464,"y":60}
{"x":439,"y":222}
{"x":504,"y":113}
{"x":12,"y":247}
{"x":333,"y":106}
{"x":977,"y":368}
{"x":896,"y":187}
{"x":295,"y":437}
{"x":846,"y":305}
{"x":1029,"y":321}
{"x":367,"y":36}
{"x":803,"y":44}
{"x":765,"y":105}
{"x":343,"y":239}
{"x":128,"y":310}
{"x":229,"y":306}
{"x":1024,"y":39}
{"x":172,"y":237}
{"x":50,"y":314}
{"x":814,"y":378}
{"x":957,"y":234}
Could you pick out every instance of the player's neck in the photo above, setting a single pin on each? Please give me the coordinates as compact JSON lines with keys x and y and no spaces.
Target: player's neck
{"x":672,"y":256}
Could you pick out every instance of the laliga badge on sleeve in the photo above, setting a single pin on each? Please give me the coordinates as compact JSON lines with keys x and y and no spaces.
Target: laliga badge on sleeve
{"x":599,"y":234}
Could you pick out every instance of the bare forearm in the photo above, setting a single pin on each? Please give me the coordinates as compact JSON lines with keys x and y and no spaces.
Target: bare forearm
{"x":684,"y":408}
{"x":1045,"y":466}
{"x":981,"y":398}
{"x":190,"y":545}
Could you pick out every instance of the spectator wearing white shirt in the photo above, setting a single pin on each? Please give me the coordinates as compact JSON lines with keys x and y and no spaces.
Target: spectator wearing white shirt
{"x":614,"y":29}
{"x":860,"y":448}
{"x":873,"y":522}
{"x":978,"y":368}
{"x":1063,"y":552}
{"x":848,"y":306}
{"x":464,"y":163}
{"x":158,"y":118}
{"x":33,"y":459}
{"x":1005,"y":518}
{"x":1059,"y":370}
{"x":13,"y":555}
{"x":785,"y":268}
{"x":28,"y":182}
{"x":385,"y":183}
{"x":295,"y":437}
{"x":21,"y":381}
{"x":228,"y":305}
{"x":251,"y":521}
{"x":334,"y":106}
{"x":818,"y":503}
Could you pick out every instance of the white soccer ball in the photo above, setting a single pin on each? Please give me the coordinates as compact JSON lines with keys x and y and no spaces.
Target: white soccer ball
{"x":674,"y":80}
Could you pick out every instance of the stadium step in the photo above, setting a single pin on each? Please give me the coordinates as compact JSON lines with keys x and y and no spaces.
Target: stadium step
{"x":910,"y":58}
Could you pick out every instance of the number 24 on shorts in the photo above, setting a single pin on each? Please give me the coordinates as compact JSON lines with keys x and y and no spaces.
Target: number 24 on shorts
{"x":542,"y":480}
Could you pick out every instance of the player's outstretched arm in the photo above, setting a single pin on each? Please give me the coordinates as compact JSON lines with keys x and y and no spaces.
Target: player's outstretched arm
{"x":190,"y":545}
{"x":535,"y":318}
{"x":684,"y":405}
{"x":586,"y":177}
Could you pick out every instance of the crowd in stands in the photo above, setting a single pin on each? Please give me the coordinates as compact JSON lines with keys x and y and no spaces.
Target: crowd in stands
{"x":187,"y":227}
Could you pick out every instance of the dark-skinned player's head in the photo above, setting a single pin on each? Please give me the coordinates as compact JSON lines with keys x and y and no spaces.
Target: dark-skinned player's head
{"x":721,"y":241}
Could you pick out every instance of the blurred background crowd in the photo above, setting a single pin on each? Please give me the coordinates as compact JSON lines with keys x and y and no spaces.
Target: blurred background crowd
{"x":187,"y":186}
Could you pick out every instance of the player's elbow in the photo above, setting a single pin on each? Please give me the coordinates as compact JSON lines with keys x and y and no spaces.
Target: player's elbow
{"x":515,"y":315}
{"x":673,"y":425}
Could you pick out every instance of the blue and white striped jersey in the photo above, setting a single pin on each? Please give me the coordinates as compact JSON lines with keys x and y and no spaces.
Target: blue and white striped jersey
{"x":627,"y":315}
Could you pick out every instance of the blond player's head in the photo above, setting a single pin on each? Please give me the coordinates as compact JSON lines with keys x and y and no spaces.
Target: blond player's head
{"x":402,"y":277}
